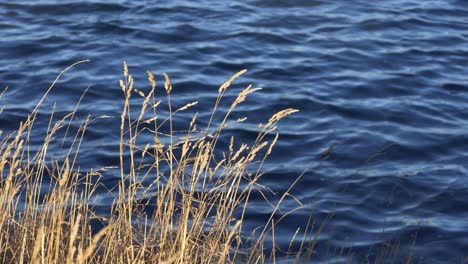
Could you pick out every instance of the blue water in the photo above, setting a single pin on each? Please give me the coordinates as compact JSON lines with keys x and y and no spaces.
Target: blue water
{"x":384,"y":83}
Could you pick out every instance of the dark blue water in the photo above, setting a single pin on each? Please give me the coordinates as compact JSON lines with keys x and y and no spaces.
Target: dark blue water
{"x":384,"y":83}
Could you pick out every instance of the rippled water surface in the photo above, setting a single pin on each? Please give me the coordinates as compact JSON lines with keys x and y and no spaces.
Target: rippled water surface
{"x":382,"y":84}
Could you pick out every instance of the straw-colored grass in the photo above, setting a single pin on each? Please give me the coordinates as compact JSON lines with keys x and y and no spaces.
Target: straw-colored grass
{"x":197,"y":191}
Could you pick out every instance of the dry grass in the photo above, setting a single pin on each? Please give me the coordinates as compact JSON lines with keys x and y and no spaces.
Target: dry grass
{"x":197,"y":191}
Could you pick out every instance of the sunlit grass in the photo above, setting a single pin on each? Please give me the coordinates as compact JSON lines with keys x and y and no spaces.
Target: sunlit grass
{"x":198,"y":192}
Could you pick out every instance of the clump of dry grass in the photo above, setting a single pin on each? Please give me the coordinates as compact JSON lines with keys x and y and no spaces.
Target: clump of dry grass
{"x":197,"y":191}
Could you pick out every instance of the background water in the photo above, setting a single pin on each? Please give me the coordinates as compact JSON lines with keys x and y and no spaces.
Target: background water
{"x":383,"y":82}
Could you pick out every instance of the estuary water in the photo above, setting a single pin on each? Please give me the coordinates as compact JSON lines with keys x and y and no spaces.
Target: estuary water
{"x":381,"y":139}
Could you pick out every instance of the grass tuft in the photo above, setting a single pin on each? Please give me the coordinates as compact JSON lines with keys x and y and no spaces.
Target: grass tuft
{"x":197,"y":192}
